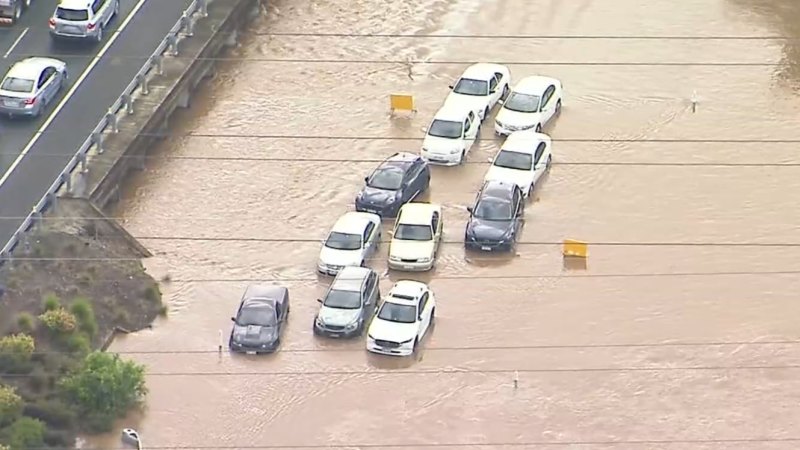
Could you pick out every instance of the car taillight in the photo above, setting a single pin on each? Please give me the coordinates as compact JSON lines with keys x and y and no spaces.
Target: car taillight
{"x":52,"y":22}
{"x":90,"y":26}
{"x":30,"y":101}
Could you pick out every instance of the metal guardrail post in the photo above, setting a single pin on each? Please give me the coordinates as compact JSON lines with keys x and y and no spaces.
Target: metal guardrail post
{"x":188,"y":23}
{"x":82,"y":160}
{"x":52,"y":199}
{"x":202,"y":8}
{"x":67,"y":179}
{"x":127,"y":103}
{"x":172,"y":39}
{"x":112,"y":120}
{"x":142,"y":80}
{"x":158,"y":61}
{"x":97,"y":139}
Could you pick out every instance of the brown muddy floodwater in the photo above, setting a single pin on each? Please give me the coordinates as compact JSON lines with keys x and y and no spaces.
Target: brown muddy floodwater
{"x":599,"y":361}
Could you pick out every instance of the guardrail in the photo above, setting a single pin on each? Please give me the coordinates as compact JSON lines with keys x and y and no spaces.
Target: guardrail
{"x":183,"y":28}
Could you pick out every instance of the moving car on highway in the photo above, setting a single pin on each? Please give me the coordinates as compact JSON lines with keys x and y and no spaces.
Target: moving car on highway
{"x":349,"y":303}
{"x":451,"y":135}
{"x":523,"y":158}
{"x":480,"y":87}
{"x":30,"y":85}
{"x":396,"y":181}
{"x":82,"y":19}
{"x":532,"y":104}
{"x":496,"y":218}
{"x":11,"y":10}
{"x":353,"y":239}
{"x":402,"y":320}
{"x":416,"y":237}
{"x":260,"y":319}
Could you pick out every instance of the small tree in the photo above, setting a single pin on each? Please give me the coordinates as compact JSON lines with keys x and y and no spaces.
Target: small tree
{"x":105,"y":385}
{"x":16,"y":350}
{"x":10,"y":405}
{"x":26,"y":433}
{"x":59,"y":321}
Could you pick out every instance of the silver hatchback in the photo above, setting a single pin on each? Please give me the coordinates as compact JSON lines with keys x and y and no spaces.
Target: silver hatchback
{"x":30,"y":85}
{"x":82,"y":19}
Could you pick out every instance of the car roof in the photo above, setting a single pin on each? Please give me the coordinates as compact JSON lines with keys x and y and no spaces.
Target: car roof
{"x":498,"y":189}
{"x":417,"y":213}
{"x":481,"y":71}
{"x":534,"y":85}
{"x":30,"y":68}
{"x":408,"y":288}
{"x":258,"y":293}
{"x":352,"y":221}
{"x":400,"y":160}
{"x":525,"y":141}
{"x":350,"y":278}
{"x":74,"y":4}
{"x":452,"y":111}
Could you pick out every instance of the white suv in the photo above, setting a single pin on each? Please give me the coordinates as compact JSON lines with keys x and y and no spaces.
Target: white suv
{"x":402,"y":320}
{"x":82,"y":19}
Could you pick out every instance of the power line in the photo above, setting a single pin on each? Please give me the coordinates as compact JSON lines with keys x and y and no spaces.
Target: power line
{"x":462,"y":348}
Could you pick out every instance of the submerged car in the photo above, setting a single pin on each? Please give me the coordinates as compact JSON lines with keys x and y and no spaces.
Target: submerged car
{"x":260,"y":319}
{"x":531,"y":105}
{"x":30,"y":85}
{"x":496,"y":218}
{"x":352,"y":240}
{"x":402,"y":320}
{"x":451,"y":135}
{"x":416,"y":237}
{"x":396,"y":181}
{"x":480,"y":88}
{"x":347,"y":306}
{"x":523,"y":159}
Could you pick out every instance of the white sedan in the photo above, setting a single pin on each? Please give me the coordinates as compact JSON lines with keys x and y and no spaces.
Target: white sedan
{"x":450,"y":136}
{"x":524,"y":157}
{"x":481,"y":87}
{"x":416,"y":236}
{"x":402,"y":320}
{"x":532,"y":104}
{"x":353,"y":239}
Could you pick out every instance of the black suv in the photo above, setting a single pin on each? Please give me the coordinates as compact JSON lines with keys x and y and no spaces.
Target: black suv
{"x":396,"y":181}
{"x":496,"y":218}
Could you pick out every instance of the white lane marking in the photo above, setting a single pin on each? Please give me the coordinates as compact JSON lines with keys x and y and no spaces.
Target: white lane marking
{"x":16,"y":42}
{"x":72,"y":90}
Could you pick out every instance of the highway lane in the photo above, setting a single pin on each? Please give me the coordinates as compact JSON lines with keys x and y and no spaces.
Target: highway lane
{"x":69,"y":128}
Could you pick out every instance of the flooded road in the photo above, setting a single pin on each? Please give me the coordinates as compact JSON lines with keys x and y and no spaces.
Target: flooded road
{"x":650,"y":345}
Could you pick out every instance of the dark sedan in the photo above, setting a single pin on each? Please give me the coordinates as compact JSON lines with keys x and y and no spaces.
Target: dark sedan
{"x":260,"y":319}
{"x":496,"y":218}
{"x":396,"y":181}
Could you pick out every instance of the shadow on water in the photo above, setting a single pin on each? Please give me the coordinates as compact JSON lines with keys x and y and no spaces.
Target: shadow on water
{"x":784,"y":16}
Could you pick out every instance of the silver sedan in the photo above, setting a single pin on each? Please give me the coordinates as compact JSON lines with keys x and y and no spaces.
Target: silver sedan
{"x":30,"y":85}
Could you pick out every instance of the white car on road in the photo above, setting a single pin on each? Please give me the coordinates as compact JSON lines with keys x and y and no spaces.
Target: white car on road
{"x":450,"y":136}
{"x":351,"y":241}
{"x":480,"y":87}
{"x":402,"y":320}
{"x":524,"y":157}
{"x":416,"y":236}
{"x":532,"y":104}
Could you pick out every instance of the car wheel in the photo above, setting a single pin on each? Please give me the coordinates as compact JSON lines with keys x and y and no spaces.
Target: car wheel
{"x":363,"y":263}
{"x":416,"y":343}
{"x":486,"y":113}
{"x":433,"y":314}
{"x":17,"y":12}
{"x":558,"y":106}
{"x":463,"y":157}
{"x":505,"y":92}
{"x":99,"y":37}
{"x":549,"y":162}
{"x":116,"y":9}
{"x":530,"y":192}
{"x":27,"y":4}
{"x":539,"y":128}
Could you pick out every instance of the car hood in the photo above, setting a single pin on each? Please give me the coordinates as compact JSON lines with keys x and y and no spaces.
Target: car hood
{"x":392,"y":331}
{"x":338,"y":316}
{"x":442,"y":145}
{"x":340,"y":257}
{"x":373,"y":196}
{"x":254,"y":334}
{"x":522,"y":178}
{"x":490,"y":230}
{"x":472,"y":102}
{"x":405,"y":249}
{"x":518,"y":119}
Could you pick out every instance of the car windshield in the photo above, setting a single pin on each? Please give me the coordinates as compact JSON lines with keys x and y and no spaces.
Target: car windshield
{"x":17,"y":85}
{"x":394,"y":312}
{"x":343,"y":299}
{"x":76,"y":15}
{"x":514,"y":160}
{"x":468,"y":86}
{"x":493,"y":209}
{"x":413,"y":232}
{"x":343,"y":241}
{"x":261,"y":316}
{"x":387,"y":178}
{"x":446,"y":129}
{"x":524,"y":103}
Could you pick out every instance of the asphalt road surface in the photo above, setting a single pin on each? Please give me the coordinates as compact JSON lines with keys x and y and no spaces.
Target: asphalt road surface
{"x":28,"y":179}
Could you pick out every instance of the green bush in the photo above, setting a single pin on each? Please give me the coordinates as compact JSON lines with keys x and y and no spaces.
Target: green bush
{"x":26,"y":433}
{"x":52,"y":412}
{"x":51,"y":302}
{"x":104,"y":385}
{"x":82,"y":309}
{"x":10,"y":405}
{"x":26,"y":323}
{"x":79,"y":343}
{"x":59,"y":321}
{"x":16,"y":351}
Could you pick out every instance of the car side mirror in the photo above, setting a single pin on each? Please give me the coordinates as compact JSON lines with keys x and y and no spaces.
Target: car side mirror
{"x":469,"y":209}
{"x":390,"y":232}
{"x":233,"y":319}
{"x":319,"y":300}
{"x":501,"y":102}
{"x":493,"y":91}
{"x":366,"y":179}
{"x":424,"y":129}
{"x":450,"y":86}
